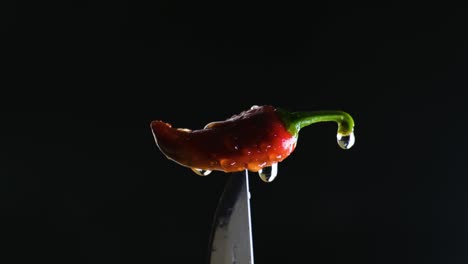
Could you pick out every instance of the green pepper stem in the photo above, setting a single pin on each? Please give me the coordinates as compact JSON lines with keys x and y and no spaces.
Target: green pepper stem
{"x":294,"y":121}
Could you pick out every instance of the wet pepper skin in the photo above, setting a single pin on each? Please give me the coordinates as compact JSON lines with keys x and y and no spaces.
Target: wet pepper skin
{"x":252,"y":140}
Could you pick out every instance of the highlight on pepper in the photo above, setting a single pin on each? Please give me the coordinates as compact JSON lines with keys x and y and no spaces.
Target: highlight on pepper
{"x":256,"y":140}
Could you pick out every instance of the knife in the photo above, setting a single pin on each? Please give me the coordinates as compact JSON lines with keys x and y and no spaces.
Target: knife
{"x":231,"y":234}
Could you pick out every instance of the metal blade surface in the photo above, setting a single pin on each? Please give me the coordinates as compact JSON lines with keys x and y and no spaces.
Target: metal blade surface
{"x":231,"y":238}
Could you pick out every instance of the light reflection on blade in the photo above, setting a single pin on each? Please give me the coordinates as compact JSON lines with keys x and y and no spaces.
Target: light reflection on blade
{"x":231,"y":238}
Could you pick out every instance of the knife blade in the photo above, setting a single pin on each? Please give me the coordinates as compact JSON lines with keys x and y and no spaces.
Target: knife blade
{"x":231,"y":235}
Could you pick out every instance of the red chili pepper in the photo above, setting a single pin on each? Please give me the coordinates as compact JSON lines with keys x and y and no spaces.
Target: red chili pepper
{"x":254,"y":139}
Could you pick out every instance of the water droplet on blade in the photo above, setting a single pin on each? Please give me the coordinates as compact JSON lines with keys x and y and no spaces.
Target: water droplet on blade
{"x":254,"y":107}
{"x":201,"y":172}
{"x":268,"y":174}
{"x":345,"y":142}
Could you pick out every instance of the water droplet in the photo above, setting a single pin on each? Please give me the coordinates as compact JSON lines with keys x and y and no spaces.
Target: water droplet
{"x":268,"y":174}
{"x":265,"y":147}
{"x":345,"y":142}
{"x":201,"y":172}
{"x":212,"y":124}
{"x":231,"y":143}
{"x":274,"y":157}
{"x":227,"y":163}
{"x":254,"y":107}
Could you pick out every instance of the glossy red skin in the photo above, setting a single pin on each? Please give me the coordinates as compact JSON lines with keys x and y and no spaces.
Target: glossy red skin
{"x":252,"y":140}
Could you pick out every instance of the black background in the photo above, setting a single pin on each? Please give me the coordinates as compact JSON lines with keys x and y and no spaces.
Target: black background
{"x":82,"y":181}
